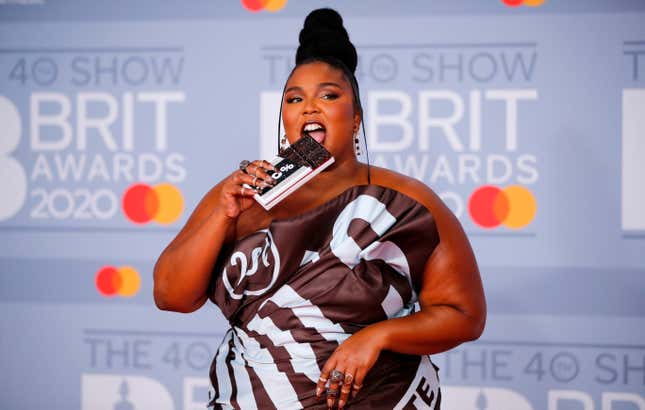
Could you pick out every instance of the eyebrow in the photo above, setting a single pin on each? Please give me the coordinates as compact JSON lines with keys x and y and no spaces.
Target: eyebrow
{"x":321,"y":85}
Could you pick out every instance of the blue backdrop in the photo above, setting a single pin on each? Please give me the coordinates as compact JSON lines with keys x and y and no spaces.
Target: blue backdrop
{"x":115,"y":119}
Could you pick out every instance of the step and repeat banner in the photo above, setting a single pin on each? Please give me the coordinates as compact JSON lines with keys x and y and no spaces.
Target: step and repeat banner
{"x":528,"y":118}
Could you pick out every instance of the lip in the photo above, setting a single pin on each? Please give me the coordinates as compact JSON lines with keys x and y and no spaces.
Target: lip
{"x":319,"y":135}
{"x":302,"y":127}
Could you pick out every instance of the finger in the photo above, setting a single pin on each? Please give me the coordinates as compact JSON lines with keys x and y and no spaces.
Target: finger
{"x":256,"y":176}
{"x":240,"y":178}
{"x":321,"y":384}
{"x":346,"y":387}
{"x":358,"y":381}
{"x":264,"y":164}
{"x":323,"y":380}
{"x":335,"y":380}
{"x":260,"y":168}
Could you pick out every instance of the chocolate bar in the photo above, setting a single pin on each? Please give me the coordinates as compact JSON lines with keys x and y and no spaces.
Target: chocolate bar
{"x":295,"y":165}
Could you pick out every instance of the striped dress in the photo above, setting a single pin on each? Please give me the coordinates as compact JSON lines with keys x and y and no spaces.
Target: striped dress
{"x":294,"y":291}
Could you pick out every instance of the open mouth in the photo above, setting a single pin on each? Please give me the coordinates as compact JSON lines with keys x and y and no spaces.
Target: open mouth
{"x":315,"y":130}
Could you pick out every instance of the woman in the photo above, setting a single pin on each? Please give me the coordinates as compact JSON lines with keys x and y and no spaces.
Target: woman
{"x":320,"y":291}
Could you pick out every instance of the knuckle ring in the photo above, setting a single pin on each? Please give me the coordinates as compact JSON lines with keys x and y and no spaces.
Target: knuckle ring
{"x":322,"y":379}
{"x":357,"y":386}
{"x":348,"y":378}
{"x":243,"y":164}
{"x":336,"y":376}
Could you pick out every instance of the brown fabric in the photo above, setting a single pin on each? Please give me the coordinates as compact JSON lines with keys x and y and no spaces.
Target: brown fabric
{"x":294,"y":291}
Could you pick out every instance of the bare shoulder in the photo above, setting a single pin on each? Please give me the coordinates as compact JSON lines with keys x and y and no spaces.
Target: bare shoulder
{"x":411,"y":187}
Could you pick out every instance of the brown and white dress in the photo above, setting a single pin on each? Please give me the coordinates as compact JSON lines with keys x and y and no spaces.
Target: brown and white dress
{"x":294,"y":291}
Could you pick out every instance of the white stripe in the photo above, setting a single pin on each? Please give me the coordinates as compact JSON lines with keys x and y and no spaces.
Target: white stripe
{"x":633,"y":166}
{"x":245,"y":398}
{"x":426,"y":370}
{"x":392,"y":303}
{"x":391,"y":254}
{"x":276,"y":383}
{"x":308,"y":313}
{"x":303,"y":358}
{"x":221,"y":370}
{"x":364,"y":207}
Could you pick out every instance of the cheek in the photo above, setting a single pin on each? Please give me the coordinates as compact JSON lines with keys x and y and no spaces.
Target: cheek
{"x":289,"y":119}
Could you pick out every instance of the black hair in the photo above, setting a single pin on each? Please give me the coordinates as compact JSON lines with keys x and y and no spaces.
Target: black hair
{"x":323,"y":38}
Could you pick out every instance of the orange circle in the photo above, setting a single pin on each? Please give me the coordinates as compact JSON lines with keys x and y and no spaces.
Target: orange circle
{"x":171,"y":203}
{"x":274,"y":5}
{"x":523,"y":207}
{"x":130,"y":281}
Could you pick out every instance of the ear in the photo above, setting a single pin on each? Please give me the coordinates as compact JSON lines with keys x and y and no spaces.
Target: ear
{"x":357,"y":121}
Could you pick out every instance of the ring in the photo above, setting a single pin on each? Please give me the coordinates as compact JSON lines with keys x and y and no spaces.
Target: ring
{"x":348,"y":379}
{"x":322,"y":379}
{"x":336,"y":376}
{"x":358,"y":386}
{"x":243,"y":164}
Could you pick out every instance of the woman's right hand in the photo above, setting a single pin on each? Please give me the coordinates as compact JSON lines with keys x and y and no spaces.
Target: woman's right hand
{"x":235,"y":197}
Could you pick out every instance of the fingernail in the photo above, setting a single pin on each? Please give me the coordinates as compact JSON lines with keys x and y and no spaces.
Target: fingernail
{"x":341,"y":404}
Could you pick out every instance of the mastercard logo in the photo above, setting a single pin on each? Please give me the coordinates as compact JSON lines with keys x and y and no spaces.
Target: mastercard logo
{"x":268,"y":5}
{"x":530,"y":3}
{"x":162,"y":203}
{"x":122,"y":281}
{"x":513,"y":206}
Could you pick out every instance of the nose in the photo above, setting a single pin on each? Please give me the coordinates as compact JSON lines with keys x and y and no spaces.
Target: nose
{"x":310,"y":106}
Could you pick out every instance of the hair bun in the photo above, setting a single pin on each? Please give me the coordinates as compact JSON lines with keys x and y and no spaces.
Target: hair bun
{"x":323,"y":35}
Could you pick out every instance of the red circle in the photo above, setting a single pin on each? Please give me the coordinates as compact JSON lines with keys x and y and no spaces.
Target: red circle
{"x":513,"y":3}
{"x":253,"y":5}
{"x":486,"y":208}
{"x":140,"y":203}
{"x":108,"y":280}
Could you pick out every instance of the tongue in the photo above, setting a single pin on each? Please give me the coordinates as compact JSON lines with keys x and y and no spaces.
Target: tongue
{"x":318,"y":135}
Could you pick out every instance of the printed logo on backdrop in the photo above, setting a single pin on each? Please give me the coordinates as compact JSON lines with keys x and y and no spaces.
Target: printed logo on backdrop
{"x":516,"y":3}
{"x":130,"y":392}
{"x":264,"y":5}
{"x":122,"y":281}
{"x":90,"y":137}
{"x":483,"y":398}
{"x":633,"y":137}
{"x":462,"y":117}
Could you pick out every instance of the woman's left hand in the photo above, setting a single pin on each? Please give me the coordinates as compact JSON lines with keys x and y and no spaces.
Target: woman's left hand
{"x":353,"y":359}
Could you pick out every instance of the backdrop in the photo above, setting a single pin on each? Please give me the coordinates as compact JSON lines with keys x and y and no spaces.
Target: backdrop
{"x":528,"y":118}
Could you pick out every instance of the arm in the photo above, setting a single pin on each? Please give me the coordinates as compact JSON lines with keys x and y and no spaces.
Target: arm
{"x":183,"y":271}
{"x":453,"y":307}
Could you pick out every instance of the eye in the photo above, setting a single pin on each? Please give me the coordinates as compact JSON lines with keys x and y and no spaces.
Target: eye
{"x":329,"y":96}
{"x":292,"y":100}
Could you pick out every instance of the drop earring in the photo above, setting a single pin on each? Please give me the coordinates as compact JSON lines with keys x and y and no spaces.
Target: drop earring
{"x":283,"y":142}
{"x":357,"y":146}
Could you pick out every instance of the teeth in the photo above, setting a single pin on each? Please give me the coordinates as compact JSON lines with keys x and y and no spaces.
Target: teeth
{"x":313,"y":127}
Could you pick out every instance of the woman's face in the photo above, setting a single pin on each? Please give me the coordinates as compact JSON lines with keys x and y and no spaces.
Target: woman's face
{"x":319,"y":100}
